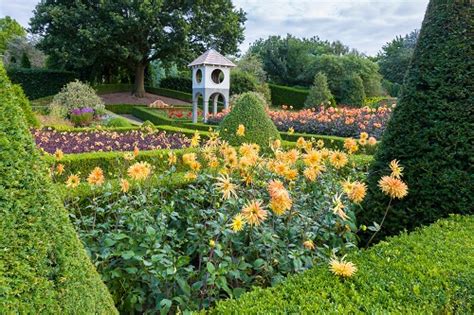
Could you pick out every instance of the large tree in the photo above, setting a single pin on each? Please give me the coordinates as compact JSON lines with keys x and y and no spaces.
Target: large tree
{"x":395,"y":56}
{"x":131,"y":34}
{"x":431,"y":131}
{"x":9,"y":29}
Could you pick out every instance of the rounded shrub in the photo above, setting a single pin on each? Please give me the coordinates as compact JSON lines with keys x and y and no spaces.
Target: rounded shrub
{"x":76,"y":95}
{"x":118,"y":122}
{"x":43,"y":265}
{"x":431,"y":130}
{"x":249,"y":111}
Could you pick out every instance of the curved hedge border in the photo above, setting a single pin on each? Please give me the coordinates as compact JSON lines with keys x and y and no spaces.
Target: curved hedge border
{"x":428,"y":271}
{"x":285,"y":95}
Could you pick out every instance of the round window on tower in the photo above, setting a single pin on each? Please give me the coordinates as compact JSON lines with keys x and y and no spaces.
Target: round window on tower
{"x":198,"y":76}
{"x":217,"y":76}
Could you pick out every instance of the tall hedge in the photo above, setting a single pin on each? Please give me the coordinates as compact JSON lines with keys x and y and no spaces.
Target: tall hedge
{"x":431,"y":131}
{"x":43,"y":265}
{"x":285,"y":95}
{"x":38,"y":83}
{"x":249,"y":110}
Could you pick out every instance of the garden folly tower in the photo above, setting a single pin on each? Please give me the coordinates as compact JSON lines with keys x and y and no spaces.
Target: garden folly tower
{"x":211,"y":80}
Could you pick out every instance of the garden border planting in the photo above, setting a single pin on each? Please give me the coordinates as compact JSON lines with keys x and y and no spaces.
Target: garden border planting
{"x":427,"y":271}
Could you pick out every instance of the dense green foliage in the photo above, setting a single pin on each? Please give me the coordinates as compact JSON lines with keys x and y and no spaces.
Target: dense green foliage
{"x":44,"y":267}
{"x":22,"y":52}
{"x":425,"y":272}
{"x":118,"y":122}
{"x":123,"y":108}
{"x":394,"y":59}
{"x":340,"y":69}
{"x":249,"y":111}
{"x":20,"y":98}
{"x":284,"y":95}
{"x":177,"y":83}
{"x":241,"y":82}
{"x":172,"y":248}
{"x":38,"y":83}
{"x":319,"y":93}
{"x":286,"y":60}
{"x":353,"y":91}
{"x":9,"y":29}
{"x":431,"y":129}
{"x":110,"y":42}
{"x":111,"y":162}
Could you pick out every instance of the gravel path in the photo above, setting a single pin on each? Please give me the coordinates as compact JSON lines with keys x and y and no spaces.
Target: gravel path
{"x":127,"y":98}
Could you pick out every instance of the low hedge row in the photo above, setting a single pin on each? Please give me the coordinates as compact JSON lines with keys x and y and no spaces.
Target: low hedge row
{"x":38,"y":83}
{"x":331,"y":142}
{"x":121,"y":109}
{"x":429,"y":271}
{"x":113,"y":162}
{"x":285,"y":95}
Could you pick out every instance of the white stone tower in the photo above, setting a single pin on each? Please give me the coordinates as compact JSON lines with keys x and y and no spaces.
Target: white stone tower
{"x":211,"y":78}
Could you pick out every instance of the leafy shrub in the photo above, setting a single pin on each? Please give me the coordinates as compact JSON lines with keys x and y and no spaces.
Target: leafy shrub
{"x":118,"y":122}
{"x":44,"y":266}
{"x":177,"y":83}
{"x":76,"y":95}
{"x":20,"y":99}
{"x":242,"y":82}
{"x":123,"y":108}
{"x":353,"y":91}
{"x":419,"y":273}
{"x":249,"y":111}
{"x":176,"y":248}
{"x":284,"y":95}
{"x":38,"y":83}
{"x":393,"y":89}
{"x":319,"y":93}
{"x":430,"y":130}
{"x":82,"y":117}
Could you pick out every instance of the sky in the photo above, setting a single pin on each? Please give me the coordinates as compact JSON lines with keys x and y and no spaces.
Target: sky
{"x":362,"y":24}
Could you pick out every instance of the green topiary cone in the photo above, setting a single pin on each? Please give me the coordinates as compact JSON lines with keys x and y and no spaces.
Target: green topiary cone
{"x":43,"y":265}
{"x":249,"y":111}
{"x":431,"y":131}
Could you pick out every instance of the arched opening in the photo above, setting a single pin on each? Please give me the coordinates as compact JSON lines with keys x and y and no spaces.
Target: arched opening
{"x":198,"y":76}
{"x":217,"y":76}
{"x":217,"y":101}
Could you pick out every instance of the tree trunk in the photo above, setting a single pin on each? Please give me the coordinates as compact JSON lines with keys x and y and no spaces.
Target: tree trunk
{"x":139,"y":86}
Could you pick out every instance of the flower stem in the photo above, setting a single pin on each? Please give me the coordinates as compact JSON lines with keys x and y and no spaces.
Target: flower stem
{"x":381,"y":223}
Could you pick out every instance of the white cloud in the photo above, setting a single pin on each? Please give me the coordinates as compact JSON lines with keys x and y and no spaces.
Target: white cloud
{"x":362,"y":24}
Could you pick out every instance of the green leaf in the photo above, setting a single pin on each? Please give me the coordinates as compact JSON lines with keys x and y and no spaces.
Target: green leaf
{"x":210,"y":267}
{"x":128,"y":254}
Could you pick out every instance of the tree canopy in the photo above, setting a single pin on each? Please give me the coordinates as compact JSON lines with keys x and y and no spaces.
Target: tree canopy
{"x":109,"y":35}
{"x":9,"y":29}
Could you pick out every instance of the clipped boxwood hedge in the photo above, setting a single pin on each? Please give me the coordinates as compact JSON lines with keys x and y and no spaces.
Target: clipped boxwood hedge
{"x":177,"y":83}
{"x":43,"y":265}
{"x":429,"y":271}
{"x":285,"y":95}
{"x":111,"y":162}
{"x":38,"y":83}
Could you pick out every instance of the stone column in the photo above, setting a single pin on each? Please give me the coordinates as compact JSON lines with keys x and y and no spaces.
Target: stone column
{"x":214,"y":108}
{"x":205,"y":111}
{"x":195,"y":108}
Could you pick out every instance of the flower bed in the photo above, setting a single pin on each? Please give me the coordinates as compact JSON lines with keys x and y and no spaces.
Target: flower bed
{"x":105,"y":140}
{"x":342,"y":121}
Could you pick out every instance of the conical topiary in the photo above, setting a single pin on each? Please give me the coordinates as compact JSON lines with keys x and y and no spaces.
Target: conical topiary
{"x":319,"y":93}
{"x":431,"y":131}
{"x":249,"y":111}
{"x":43,"y":265}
